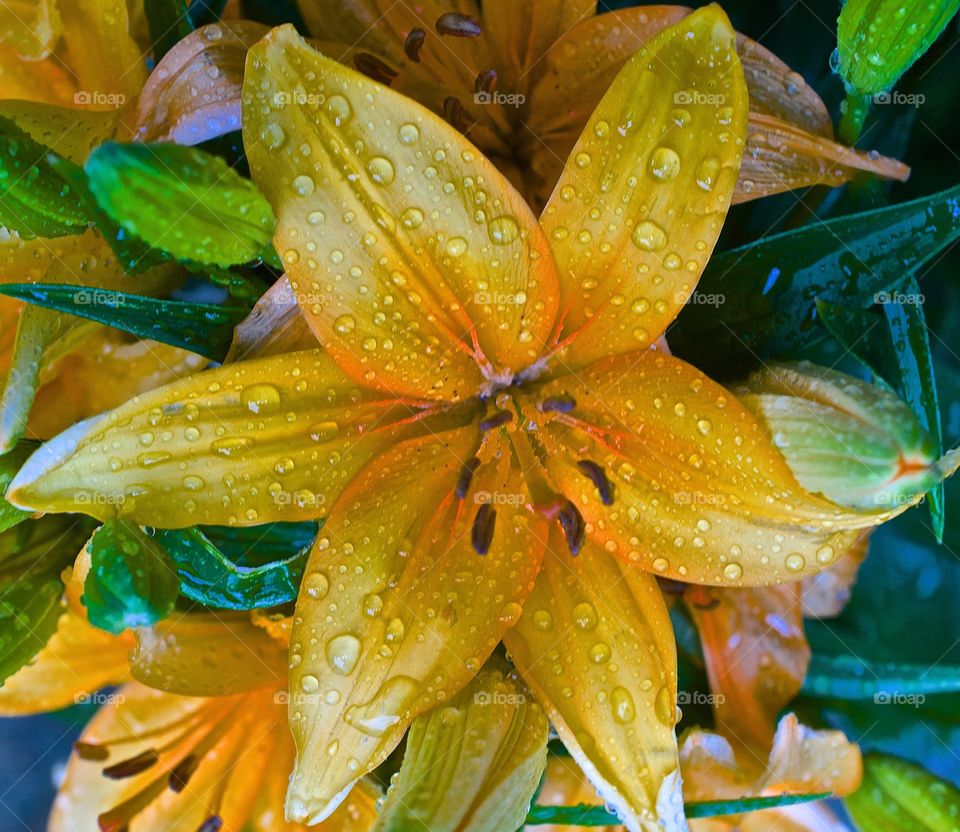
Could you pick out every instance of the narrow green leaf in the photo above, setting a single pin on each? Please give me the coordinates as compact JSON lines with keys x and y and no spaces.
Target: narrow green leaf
{"x":10,"y":463}
{"x":886,"y":683}
{"x":34,"y":200}
{"x":918,"y":385}
{"x":32,"y":556}
{"x":899,"y":795}
{"x":202,"y":328}
{"x":879,"y":40}
{"x":864,"y":334}
{"x":182,"y":200}
{"x":770,"y":287}
{"x":586,"y":815}
{"x":209,"y":577}
{"x":259,"y":545}
{"x":132,"y":581}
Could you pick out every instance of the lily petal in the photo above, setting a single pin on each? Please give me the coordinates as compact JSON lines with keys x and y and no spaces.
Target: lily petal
{"x":756,"y":655}
{"x":428,"y":273}
{"x":700,"y":493}
{"x":825,"y":594}
{"x":627,"y":267}
{"x":208,"y":655}
{"x":194,"y":93}
{"x":596,"y":646}
{"x":780,"y":157}
{"x":489,"y":744}
{"x":275,"y":325}
{"x":273,"y":439}
{"x":566,"y":785}
{"x":412,"y":612}
{"x":231,"y":741}
{"x":77,"y":660}
{"x":31,"y":28}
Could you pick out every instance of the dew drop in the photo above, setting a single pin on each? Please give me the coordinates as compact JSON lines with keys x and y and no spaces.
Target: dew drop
{"x":649,"y":236}
{"x":664,"y":164}
{"x":343,"y":651}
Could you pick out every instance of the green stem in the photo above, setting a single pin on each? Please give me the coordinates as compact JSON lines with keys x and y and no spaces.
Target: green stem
{"x":853,"y":113}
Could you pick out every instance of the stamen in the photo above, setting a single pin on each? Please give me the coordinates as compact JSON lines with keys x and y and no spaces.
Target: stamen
{"x":671,"y":586}
{"x":500,"y":418}
{"x":132,"y":766}
{"x":571,"y":521}
{"x":563,"y":403}
{"x":211,"y":824}
{"x":466,"y":477}
{"x":91,"y":751}
{"x":373,"y":67}
{"x":486,"y":81}
{"x":459,"y":25}
{"x":453,"y":112}
{"x":481,"y":535}
{"x":598,"y":477}
{"x":182,"y":772}
{"x":413,"y":43}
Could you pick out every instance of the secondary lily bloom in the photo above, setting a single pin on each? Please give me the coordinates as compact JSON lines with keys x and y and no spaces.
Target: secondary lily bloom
{"x":497,"y":452}
{"x":523,"y":88}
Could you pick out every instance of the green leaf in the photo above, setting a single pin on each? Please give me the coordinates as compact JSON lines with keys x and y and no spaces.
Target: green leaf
{"x":134,"y":255}
{"x":879,"y":40}
{"x":585,"y":815}
{"x":211,"y":578}
{"x":203,"y":328}
{"x":918,"y":386}
{"x":32,"y":556}
{"x":132,"y":582}
{"x":169,"y":22}
{"x":259,"y":545}
{"x":863,"y":333}
{"x":852,"y":677}
{"x":770,"y":287}
{"x":10,"y":463}
{"x":182,"y":200}
{"x":34,"y":200}
{"x":897,"y":795}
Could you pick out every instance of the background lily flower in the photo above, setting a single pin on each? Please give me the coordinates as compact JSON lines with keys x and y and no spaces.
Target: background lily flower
{"x":496,"y":451}
{"x":523,"y":87}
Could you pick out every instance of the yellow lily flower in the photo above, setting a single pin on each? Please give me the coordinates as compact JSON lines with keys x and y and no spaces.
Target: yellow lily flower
{"x":497,"y":452}
{"x":523,"y":87}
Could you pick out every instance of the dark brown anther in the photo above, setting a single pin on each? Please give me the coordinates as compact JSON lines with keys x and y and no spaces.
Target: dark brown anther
{"x":465,"y":477}
{"x":453,"y":112}
{"x":90,"y":751}
{"x":182,"y":772}
{"x":212,"y":824}
{"x":598,"y":477}
{"x":481,"y":535}
{"x":671,"y":586}
{"x":486,"y":81}
{"x":373,"y":67}
{"x":501,"y":417}
{"x":563,"y":403}
{"x":413,"y":43}
{"x":459,"y":25}
{"x":132,"y":766}
{"x":571,"y":521}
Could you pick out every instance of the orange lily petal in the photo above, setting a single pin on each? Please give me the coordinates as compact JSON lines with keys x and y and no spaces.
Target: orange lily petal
{"x":641,"y":200}
{"x":596,"y":646}
{"x":412,"y":611}
{"x":700,"y":493}
{"x":275,"y":325}
{"x":232,"y":741}
{"x":31,"y":27}
{"x":756,"y":655}
{"x":802,"y":761}
{"x":273,"y":439}
{"x":194,"y":93}
{"x":489,"y":743}
{"x":207,"y":655}
{"x":825,"y":594}
{"x":432,"y":274}
{"x":45,"y":80}
{"x":77,"y":660}
{"x":783,"y":157}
